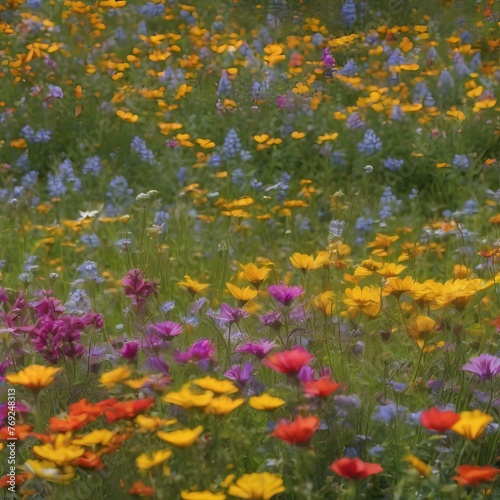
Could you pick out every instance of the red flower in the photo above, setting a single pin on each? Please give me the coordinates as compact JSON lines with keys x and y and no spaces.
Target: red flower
{"x":321,"y":388}
{"x":18,"y":479}
{"x":354,"y":468}
{"x":89,"y":460}
{"x":437,"y":420}
{"x":115,"y":410}
{"x":298,"y":431}
{"x":474,"y":474}
{"x":289,"y":362}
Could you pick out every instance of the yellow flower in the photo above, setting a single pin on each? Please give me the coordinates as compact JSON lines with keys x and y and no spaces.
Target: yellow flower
{"x":396,"y":286}
{"x":391,"y":270}
{"x":223,"y":405}
{"x":308,"y":262}
{"x":381,"y":244}
{"x":99,"y":436}
{"x":262,"y":485}
{"x":34,"y":377}
{"x":325,"y":302}
{"x":242,"y":295}
{"x":421,"y":327}
{"x":460,"y":271}
{"x":150,"y":424}
{"x":143,"y":462}
{"x":418,"y":465}
{"x":188,"y":398}
{"x":215,"y":385}
{"x":58,"y":453}
{"x":265,"y":402}
{"x":192,"y":286}
{"x":49,"y":471}
{"x":255,"y":275}
{"x":181,"y":438}
{"x":127,"y":116}
{"x":120,"y":374}
{"x":201,"y":495}
{"x":366,"y":300}
{"x":472,"y":424}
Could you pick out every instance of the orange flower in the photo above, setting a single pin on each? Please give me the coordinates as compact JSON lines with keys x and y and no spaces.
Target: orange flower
{"x":141,"y":489}
{"x":299,"y":431}
{"x":71,"y":423}
{"x":21,"y":431}
{"x":473,"y":474}
{"x":321,"y":388}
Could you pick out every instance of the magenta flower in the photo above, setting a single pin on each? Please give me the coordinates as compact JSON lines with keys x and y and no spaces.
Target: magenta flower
{"x":129,"y":350}
{"x":167,"y":329}
{"x":485,"y":366}
{"x":201,"y":350}
{"x":284,"y":294}
{"x":259,"y":349}
{"x":137,"y":288}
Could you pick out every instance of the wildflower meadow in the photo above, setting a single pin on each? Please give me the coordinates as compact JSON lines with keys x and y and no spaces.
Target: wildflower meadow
{"x":249,"y":249}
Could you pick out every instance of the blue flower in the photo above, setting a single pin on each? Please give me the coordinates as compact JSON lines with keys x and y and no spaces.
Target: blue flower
{"x":371,"y":143}
{"x":461,"y":161}
{"x":393,"y":163}
{"x":348,"y":13}
{"x":92,"y":166}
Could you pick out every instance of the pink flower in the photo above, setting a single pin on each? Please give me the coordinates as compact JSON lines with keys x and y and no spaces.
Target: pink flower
{"x":284,"y":294}
{"x":137,"y":288}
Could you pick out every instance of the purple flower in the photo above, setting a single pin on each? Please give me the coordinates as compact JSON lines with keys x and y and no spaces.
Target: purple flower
{"x":129,"y":350}
{"x":328,"y":59}
{"x":284,"y":294}
{"x":485,"y":366}
{"x":228,"y":315}
{"x":273,"y":319}
{"x":167,"y":329}
{"x":259,"y":349}
{"x":240,"y":373}
{"x":154,"y":362}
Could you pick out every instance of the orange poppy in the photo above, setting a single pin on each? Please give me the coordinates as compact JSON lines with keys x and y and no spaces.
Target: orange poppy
{"x":474,"y":474}
{"x":141,"y":489}
{"x":320,"y":388}
{"x":298,"y":431}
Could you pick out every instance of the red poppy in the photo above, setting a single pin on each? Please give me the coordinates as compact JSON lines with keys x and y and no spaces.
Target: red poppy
{"x":437,"y":420}
{"x":141,"y":489}
{"x":289,"y":362}
{"x":72,"y":423}
{"x":321,"y":388}
{"x":354,"y":468}
{"x":21,"y":431}
{"x":18,"y":478}
{"x":89,"y":460}
{"x":115,"y":410}
{"x":474,"y":474}
{"x":298,"y":431}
